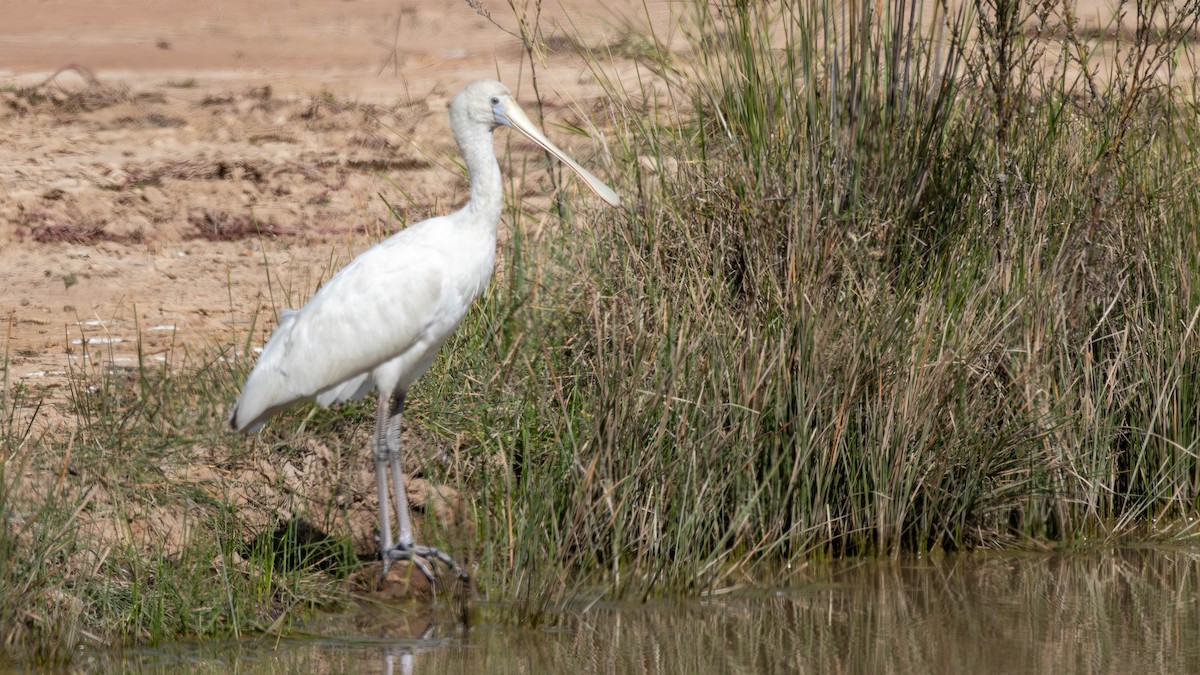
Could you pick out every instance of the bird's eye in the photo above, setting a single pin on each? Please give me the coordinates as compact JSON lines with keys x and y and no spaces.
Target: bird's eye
{"x":495,"y":100}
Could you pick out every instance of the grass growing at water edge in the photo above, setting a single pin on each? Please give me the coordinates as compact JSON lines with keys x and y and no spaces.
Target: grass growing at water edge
{"x":112,"y":529}
{"x":870,"y":294}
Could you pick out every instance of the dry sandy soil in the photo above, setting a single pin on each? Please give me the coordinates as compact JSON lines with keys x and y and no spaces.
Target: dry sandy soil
{"x":226,"y":148}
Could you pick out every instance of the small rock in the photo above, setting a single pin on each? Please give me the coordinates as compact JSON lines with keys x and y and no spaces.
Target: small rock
{"x":403,"y":582}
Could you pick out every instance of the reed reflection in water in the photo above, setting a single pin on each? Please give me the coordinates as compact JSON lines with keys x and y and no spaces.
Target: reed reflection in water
{"x":1132,"y":610}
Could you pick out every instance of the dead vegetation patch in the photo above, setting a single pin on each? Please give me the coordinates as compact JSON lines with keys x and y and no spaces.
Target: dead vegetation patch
{"x":54,"y":95}
{"x":271,"y":137}
{"x":215,"y":225}
{"x":377,"y":164}
{"x":196,"y":169}
{"x":149,"y":121}
{"x":48,"y":227}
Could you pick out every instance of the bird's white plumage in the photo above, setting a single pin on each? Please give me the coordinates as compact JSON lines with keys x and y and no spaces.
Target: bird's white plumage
{"x":377,"y":323}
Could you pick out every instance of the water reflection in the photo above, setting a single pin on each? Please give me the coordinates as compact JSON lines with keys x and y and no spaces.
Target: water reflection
{"x":405,"y":655}
{"x":1115,"y":611}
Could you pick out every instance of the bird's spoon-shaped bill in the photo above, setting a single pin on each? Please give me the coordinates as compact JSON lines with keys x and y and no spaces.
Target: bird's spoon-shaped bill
{"x":511,"y":113}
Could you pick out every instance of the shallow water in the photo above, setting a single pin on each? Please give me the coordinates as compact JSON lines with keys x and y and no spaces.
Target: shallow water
{"x":1132,"y":610}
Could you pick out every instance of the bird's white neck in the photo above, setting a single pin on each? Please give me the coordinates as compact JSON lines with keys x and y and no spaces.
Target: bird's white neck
{"x":483,"y":173}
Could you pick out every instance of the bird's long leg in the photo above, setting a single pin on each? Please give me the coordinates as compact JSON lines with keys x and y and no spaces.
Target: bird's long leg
{"x":380,"y":450}
{"x":406,"y":544}
{"x":406,"y":538}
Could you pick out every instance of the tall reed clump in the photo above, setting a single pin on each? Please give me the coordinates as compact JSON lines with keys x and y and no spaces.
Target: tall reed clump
{"x":884,"y":282}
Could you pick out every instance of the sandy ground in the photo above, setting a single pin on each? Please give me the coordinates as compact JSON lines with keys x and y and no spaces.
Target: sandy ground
{"x":229,"y":148}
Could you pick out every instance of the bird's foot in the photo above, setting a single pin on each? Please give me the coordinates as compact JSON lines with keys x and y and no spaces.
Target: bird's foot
{"x":425,"y":559}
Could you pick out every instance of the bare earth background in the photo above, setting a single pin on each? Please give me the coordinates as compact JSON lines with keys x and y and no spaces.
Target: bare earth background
{"x":137,"y":206}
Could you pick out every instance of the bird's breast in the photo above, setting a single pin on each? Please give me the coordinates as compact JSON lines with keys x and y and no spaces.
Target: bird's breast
{"x":475,"y":266}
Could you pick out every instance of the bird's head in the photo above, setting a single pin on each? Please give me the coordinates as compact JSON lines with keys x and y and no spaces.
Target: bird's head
{"x":482,"y":102}
{"x":490,"y":103}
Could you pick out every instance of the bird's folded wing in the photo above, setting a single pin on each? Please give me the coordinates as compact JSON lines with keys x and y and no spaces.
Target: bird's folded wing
{"x":370,"y":312}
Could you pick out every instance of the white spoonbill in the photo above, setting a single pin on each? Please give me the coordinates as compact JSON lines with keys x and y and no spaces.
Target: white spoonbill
{"x":378,"y":323}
